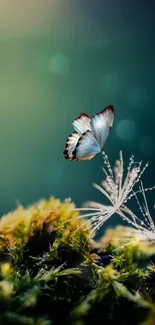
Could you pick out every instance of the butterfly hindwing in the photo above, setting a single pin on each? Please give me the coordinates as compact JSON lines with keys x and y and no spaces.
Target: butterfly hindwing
{"x":82,"y":123}
{"x":101,"y":125}
{"x":87,"y":147}
{"x":71,"y":143}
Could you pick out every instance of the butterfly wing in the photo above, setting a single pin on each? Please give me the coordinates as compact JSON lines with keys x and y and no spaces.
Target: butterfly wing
{"x":71,"y":143}
{"x":101,"y":125}
{"x":87,"y":147}
{"x":82,"y":123}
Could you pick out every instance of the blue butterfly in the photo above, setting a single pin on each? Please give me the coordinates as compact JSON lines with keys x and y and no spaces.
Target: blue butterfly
{"x":90,"y":135}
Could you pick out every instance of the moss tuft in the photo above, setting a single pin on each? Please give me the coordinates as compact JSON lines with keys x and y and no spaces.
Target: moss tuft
{"x":52,"y":273}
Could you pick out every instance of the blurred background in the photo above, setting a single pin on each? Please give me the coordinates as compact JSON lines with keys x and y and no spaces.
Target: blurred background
{"x":61,"y":58}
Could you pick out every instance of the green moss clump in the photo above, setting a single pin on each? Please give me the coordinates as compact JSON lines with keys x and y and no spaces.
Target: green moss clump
{"x":51,"y":272}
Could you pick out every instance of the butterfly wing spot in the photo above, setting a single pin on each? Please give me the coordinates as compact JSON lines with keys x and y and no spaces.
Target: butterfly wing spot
{"x":82,"y":123}
{"x":71,"y":143}
{"x":87,"y":147}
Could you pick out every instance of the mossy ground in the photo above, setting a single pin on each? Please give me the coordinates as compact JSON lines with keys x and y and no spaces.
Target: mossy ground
{"x":52,"y":273}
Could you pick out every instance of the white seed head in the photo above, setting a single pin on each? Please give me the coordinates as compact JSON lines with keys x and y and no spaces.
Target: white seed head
{"x":119,"y":189}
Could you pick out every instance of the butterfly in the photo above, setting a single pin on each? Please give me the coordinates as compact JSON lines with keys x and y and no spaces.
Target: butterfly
{"x":90,"y":135}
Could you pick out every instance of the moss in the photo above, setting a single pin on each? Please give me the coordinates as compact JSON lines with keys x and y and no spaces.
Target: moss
{"x":51,"y":272}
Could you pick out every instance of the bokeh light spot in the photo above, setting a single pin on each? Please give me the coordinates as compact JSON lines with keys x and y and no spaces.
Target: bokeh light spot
{"x":59,"y":64}
{"x":147,"y":146}
{"x":126,"y":130}
{"x":111,"y":82}
{"x":137,"y":96}
{"x":53,"y":174}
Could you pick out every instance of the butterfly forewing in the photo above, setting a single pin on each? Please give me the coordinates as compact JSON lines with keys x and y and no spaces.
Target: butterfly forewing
{"x":82,"y":123}
{"x":87,"y":147}
{"x":101,"y":125}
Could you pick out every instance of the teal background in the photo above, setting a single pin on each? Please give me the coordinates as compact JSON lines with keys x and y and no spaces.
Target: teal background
{"x":61,"y":58}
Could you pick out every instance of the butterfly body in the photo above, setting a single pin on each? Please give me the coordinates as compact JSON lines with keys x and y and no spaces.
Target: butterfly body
{"x":90,"y":135}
